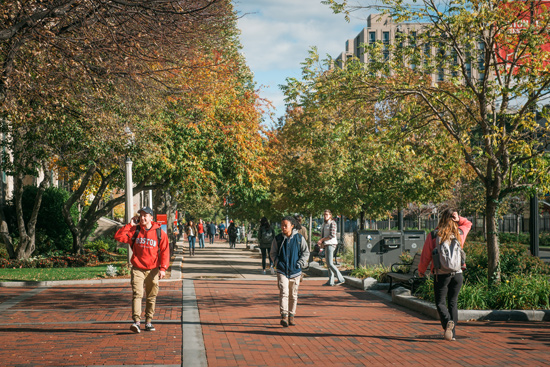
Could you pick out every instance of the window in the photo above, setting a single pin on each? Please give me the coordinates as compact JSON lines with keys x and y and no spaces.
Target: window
{"x":386,"y":38}
{"x":372,"y":37}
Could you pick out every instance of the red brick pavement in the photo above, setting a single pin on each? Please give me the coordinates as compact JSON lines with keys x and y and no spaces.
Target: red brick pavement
{"x":340,"y":326}
{"x":88,"y":325}
{"x":337,"y":326}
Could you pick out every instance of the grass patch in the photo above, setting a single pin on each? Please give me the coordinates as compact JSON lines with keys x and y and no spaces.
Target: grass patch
{"x":48,"y":274}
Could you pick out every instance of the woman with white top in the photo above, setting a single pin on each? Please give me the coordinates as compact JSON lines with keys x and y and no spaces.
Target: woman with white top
{"x":329,"y":242}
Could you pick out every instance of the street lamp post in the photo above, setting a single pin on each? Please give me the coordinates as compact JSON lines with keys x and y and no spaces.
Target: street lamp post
{"x":129,"y":189}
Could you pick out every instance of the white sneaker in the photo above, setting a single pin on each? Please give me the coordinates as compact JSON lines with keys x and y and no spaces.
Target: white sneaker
{"x":449,"y":331}
{"x":272,"y":269}
{"x":135,"y":327}
{"x":263,"y":272}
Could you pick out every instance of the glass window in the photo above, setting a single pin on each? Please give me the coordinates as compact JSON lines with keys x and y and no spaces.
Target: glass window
{"x":386,"y":37}
{"x":372,"y":37}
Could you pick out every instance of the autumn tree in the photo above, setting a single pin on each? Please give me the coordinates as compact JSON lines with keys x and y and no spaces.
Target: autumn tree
{"x":74,"y":72}
{"x":493,"y":56}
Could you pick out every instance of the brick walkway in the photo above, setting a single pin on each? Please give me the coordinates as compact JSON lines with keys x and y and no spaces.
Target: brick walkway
{"x":88,"y":325}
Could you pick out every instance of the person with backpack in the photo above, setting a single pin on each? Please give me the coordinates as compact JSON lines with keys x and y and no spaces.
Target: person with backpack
{"x":443,"y":248}
{"x":232,"y":235}
{"x":150,"y":259}
{"x":290,"y":253}
{"x":266,"y":234}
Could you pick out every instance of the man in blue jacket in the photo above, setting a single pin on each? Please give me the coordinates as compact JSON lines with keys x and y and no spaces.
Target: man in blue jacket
{"x":290,"y":253}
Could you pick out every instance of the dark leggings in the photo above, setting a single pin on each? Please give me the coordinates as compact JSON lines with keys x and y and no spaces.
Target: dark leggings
{"x":447,"y":286}
{"x":265,"y":254}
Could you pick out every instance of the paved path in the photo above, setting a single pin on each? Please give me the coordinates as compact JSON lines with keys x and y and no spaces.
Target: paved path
{"x":233,"y":320}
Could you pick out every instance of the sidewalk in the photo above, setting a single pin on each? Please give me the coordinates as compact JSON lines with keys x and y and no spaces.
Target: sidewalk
{"x":224,"y":313}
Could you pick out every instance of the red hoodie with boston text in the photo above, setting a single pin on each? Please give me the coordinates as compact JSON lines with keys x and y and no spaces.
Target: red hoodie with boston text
{"x":146,"y":254}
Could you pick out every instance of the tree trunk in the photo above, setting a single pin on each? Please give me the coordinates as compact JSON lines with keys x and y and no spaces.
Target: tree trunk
{"x":362,"y":224}
{"x":493,"y":253}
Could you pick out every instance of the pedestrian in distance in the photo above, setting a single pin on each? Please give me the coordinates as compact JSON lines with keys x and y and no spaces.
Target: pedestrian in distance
{"x":150,"y":259}
{"x":329,"y":242}
{"x":221,"y":227}
{"x":443,"y":249}
{"x":232,"y":234}
{"x":211,"y":232}
{"x":302,"y":230}
{"x":266,"y":235}
{"x":201,"y":230}
{"x":290,"y":252}
{"x":191,"y":232}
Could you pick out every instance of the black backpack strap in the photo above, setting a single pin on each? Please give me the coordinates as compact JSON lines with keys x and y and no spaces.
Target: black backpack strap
{"x":159,"y":236}
{"x":136,"y":233}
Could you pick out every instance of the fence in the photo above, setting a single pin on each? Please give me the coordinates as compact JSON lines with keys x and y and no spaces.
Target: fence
{"x":509,"y":223}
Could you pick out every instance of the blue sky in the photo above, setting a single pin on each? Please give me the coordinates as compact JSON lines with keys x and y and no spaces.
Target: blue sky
{"x":277,"y":34}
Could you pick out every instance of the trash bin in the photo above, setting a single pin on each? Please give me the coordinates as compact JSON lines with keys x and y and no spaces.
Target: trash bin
{"x":378,"y":247}
{"x":385,"y":247}
{"x":413,"y":241}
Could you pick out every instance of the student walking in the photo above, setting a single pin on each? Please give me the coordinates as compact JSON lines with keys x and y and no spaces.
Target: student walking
{"x":211,"y":232}
{"x":201,"y":230}
{"x":290,"y":252}
{"x":191,"y":232}
{"x":443,"y":248}
{"x":265,"y":238}
{"x":329,"y":242}
{"x":150,"y":259}
{"x":232,"y":235}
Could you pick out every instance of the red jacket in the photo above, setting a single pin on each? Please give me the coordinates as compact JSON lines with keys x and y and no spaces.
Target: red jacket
{"x":463,"y":224}
{"x":146,"y":254}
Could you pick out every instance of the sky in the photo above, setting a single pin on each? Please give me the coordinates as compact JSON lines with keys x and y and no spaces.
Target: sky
{"x":277,"y":34}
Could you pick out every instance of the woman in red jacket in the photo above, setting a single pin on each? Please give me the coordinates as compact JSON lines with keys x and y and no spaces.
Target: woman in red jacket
{"x":447,"y":283}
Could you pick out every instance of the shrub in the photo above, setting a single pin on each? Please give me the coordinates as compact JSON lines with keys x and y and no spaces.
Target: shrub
{"x":97,"y":245}
{"x":111,"y":271}
{"x":377,"y":272}
{"x":4,"y":253}
{"x":104,"y":255}
{"x":122,"y":251}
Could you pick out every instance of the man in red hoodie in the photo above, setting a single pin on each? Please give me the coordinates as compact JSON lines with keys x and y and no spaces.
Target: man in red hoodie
{"x":150,"y":259}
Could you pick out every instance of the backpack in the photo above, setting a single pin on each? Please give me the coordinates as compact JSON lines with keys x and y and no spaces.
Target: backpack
{"x":267,"y":236}
{"x":232,"y":231}
{"x":447,"y":257}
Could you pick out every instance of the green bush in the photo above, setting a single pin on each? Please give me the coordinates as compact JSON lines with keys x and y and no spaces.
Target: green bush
{"x":524,"y":280}
{"x":378,"y":272}
{"x":97,"y":245}
{"x":505,"y":237}
{"x":519,"y":293}
{"x":122,"y":251}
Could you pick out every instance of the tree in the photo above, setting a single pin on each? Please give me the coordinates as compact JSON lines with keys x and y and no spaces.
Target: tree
{"x":496,"y":68}
{"x":353,"y":153}
{"x":66,"y":64}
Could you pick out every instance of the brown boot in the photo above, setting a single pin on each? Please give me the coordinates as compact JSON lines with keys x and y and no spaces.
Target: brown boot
{"x":291,"y":320}
{"x":284,"y":320}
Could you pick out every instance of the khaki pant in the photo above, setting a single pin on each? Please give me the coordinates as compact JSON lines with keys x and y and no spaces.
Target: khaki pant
{"x":151,"y":280}
{"x":288,"y":294}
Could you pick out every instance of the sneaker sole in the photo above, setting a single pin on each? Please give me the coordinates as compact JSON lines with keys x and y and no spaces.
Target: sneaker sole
{"x":449,"y":331}
{"x":135,"y":329}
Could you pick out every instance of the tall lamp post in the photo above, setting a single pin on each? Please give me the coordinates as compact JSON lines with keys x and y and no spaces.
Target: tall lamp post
{"x":129,"y":189}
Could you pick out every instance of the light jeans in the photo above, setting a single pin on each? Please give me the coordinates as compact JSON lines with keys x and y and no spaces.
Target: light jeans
{"x":288,"y":294}
{"x":332,"y":269}
{"x":151,"y":280}
{"x":201,"y":240}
